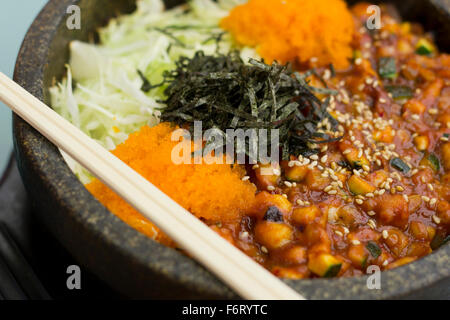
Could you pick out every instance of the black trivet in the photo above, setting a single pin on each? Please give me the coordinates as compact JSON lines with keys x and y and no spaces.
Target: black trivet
{"x":47,"y":258}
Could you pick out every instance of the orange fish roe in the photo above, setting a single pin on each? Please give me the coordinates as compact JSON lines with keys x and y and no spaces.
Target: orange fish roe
{"x":214,"y":192}
{"x":286,"y":30}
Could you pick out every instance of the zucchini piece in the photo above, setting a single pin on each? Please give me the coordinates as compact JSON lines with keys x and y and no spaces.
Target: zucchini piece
{"x":265,"y":175}
{"x":358,"y":185}
{"x":324,"y":265}
{"x":296,"y":173}
{"x":387,"y":68}
{"x":421,"y":143}
{"x":273,"y":235}
{"x":332,"y":70}
{"x":432,"y":161}
{"x":374,"y":249}
{"x":439,"y":240}
{"x":355,"y":161}
{"x":424,"y":47}
{"x":445,"y":154}
{"x":400,"y":92}
{"x":357,"y":54}
{"x":305,"y":215}
{"x":400,"y":165}
{"x":358,"y":255}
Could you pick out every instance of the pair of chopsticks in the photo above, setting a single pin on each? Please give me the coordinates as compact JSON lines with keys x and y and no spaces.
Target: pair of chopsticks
{"x":241,"y":273}
{"x":17,"y":279}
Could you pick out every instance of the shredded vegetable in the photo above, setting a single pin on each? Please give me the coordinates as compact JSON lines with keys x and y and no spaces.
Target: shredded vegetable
{"x":106,"y":100}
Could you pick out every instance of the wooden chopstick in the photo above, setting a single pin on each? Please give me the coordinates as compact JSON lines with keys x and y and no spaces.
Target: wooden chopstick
{"x":20,"y":268}
{"x":246,"y":277}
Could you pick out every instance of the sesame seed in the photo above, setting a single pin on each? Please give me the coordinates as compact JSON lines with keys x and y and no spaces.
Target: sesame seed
{"x":324,"y":159}
{"x":291,"y":164}
{"x":356,"y":242}
{"x":370,"y":195}
{"x":371,"y":213}
{"x":358,"y":61}
{"x":415,"y":117}
{"x":433,"y":201}
{"x":346,"y":231}
{"x":385,"y":234}
{"x":300,"y":202}
{"x":244,"y":235}
{"x":276,"y":172}
{"x":328,"y":188}
{"x":256,"y":166}
{"x":245,"y":178}
{"x":425,"y":198}
{"x":314,"y":157}
{"x":430,"y":187}
{"x":405,"y":196}
{"x":347,"y":151}
{"x":270,"y":188}
{"x":359,"y":201}
{"x":400,"y":188}
{"x":436,"y":219}
{"x":285,"y":195}
{"x":264,"y":249}
{"x":338,"y":233}
{"x":385,"y":263}
{"x":288,"y":184}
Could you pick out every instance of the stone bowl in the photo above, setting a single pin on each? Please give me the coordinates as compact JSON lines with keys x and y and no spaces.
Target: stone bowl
{"x":129,"y":262}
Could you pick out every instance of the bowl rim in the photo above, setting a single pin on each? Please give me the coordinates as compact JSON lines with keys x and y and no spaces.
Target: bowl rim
{"x":56,"y":175}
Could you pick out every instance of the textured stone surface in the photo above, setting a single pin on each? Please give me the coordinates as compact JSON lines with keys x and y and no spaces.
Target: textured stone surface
{"x":121,"y":256}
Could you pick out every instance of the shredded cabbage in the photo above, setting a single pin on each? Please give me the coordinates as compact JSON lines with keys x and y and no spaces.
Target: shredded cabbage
{"x":107,"y":102}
